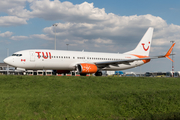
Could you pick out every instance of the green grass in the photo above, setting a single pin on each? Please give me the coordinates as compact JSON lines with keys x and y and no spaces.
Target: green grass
{"x":87,"y":98}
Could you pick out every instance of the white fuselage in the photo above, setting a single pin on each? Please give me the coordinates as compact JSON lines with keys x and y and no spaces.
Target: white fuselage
{"x":66,"y":60}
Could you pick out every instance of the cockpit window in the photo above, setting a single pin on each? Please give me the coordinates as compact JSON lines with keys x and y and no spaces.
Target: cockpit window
{"x":17,"y":55}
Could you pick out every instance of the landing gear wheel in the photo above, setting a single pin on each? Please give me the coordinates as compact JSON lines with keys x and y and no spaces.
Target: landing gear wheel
{"x":98,"y":73}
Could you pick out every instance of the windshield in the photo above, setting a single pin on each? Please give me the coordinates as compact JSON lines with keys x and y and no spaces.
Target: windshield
{"x":16,"y":54}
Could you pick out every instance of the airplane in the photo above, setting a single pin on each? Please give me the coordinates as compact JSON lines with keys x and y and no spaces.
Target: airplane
{"x":85,"y":62}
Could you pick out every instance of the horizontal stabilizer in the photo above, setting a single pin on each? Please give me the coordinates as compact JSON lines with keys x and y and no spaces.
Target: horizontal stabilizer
{"x":169,"y":52}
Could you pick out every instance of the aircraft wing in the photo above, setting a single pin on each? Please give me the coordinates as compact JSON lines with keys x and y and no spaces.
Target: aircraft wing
{"x":127,"y":61}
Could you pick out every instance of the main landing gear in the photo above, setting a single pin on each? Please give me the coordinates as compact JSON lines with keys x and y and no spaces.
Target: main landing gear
{"x":98,"y":73}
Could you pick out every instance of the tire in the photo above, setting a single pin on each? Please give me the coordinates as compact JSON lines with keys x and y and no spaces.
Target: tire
{"x":98,"y":73}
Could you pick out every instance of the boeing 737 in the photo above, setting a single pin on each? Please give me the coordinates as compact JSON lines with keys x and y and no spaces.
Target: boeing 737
{"x":85,"y":62}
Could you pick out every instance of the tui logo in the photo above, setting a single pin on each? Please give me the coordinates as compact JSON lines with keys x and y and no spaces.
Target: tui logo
{"x":146,"y":49}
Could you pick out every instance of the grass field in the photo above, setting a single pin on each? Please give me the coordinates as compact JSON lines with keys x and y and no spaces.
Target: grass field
{"x":87,"y":98}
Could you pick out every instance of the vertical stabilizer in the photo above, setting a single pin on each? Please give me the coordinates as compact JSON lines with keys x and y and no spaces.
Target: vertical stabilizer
{"x":144,"y":45}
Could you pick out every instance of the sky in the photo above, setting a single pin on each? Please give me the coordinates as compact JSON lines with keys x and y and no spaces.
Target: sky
{"x":91,"y":25}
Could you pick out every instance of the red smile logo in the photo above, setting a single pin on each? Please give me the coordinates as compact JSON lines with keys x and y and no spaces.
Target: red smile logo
{"x":146,"y":49}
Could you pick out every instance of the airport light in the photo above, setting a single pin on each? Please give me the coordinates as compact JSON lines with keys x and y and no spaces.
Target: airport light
{"x":172,"y":61}
{"x":140,"y":71}
{"x":55,"y":25}
{"x":67,"y":46}
{"x":7,"y":64}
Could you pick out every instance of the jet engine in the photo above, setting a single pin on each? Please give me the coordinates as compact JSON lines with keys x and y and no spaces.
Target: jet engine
{"x":86,"y":68}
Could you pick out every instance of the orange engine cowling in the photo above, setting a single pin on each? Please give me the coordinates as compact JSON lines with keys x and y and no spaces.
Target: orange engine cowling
{"x":86,"y":68}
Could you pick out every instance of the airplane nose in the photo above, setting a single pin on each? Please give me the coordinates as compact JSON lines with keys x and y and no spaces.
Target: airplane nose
{"x":7,"y":60}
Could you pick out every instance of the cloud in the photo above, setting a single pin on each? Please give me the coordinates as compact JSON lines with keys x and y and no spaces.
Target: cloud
{"x":9,"y":4}
{"x":164,"y":35}
{"x":101,"y":41}
{"x":16,"y":8}
{"x":85,"y":24}
{"x":117,"y":33}
{"x":11,"y":21}
{"x":6,"y":34}
{"x":122,"y":30}
{"x":53,"y":10}
{"x":16,"y":13}
{"x":41,"y":36}
{"x":56,"y":10}
{"x":19,"y":37}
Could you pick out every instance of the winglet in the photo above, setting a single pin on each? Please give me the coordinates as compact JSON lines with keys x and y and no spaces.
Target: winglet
{"x":169,"y":52}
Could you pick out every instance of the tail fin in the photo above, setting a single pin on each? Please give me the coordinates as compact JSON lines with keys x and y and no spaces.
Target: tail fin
{"x":144,"y":45}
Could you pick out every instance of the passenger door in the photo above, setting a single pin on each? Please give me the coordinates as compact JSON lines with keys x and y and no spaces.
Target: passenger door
{"x":32,"y":56}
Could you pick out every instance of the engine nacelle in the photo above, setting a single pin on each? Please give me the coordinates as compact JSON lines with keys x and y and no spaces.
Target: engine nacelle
{"x":85,"y":68}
